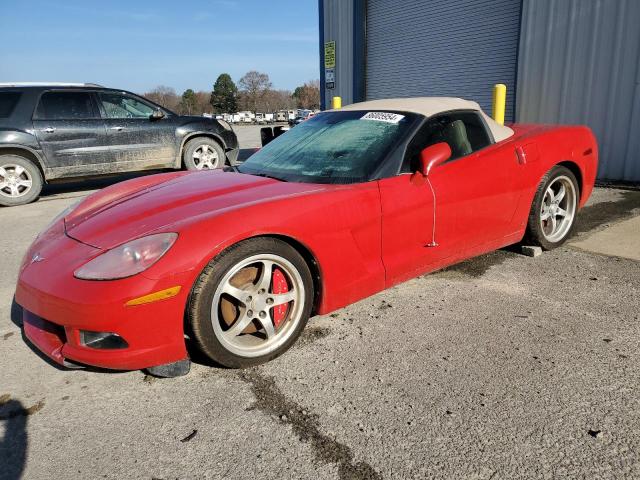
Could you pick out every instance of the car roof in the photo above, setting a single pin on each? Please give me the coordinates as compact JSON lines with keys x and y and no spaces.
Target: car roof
{"x":430,"y":106}
{"x":48,"y":84}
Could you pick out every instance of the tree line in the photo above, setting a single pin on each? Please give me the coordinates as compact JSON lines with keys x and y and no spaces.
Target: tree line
{"x":254,"y":92}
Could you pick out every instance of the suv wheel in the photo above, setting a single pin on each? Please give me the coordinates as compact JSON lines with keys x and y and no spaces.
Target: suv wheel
{"x":20,"y":181}
{"x":203,"y":153}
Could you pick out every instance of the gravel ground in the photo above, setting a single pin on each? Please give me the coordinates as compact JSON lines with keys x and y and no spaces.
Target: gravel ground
{"x":504,"y":366}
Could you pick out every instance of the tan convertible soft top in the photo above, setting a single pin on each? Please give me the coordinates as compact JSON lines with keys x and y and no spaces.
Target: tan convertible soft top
{"x":429,"y":106}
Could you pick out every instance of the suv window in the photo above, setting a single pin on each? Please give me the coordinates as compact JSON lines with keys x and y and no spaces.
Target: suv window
{"x":118,"y":105}
{"x":65,"y":106}
{"x":465,"y":132}
{"x":8,"y":101}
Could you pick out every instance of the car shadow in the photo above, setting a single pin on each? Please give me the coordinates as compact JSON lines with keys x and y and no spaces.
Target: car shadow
{"x":60,"y":188}
{"x":14,"y":443}
{"x":197,"y":357}
{"x":594,"y":216}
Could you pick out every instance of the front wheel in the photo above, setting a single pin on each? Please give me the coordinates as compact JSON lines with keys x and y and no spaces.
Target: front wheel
{"x":251,"y":303}
{"x":555,"y":205}
{"x":203,"y":153}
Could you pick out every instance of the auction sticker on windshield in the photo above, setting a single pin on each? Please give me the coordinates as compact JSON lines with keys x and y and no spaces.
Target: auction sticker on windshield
{"x":383,"y":117}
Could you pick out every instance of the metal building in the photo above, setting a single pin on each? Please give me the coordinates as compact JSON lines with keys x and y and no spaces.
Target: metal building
{"x":563,"y":61}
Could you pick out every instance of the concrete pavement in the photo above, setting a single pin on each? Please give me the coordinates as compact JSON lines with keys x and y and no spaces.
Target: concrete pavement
{"x":620,"y":240}
{"x":503,"y":366}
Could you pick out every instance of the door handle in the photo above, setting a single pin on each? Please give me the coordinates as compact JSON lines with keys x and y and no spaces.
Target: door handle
{"x":522,"y":156}
{"x":117,"y":129}
{"x":49,"y":130}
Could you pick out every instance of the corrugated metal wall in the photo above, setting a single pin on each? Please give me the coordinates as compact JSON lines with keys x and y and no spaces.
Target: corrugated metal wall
{"x":338,"y":26}
{"x":457,"y":48}
{"x":580,"y":63}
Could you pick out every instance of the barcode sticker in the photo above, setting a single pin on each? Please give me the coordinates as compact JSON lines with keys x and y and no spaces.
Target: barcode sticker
{"x":383,"y":117}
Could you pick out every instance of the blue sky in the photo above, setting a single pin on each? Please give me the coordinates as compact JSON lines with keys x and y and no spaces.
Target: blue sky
{"x":137,"y":45}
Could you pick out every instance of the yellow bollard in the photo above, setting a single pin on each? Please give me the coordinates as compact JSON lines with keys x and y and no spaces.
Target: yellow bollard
{"x":336,"y":102}
{"x":499,"y":102}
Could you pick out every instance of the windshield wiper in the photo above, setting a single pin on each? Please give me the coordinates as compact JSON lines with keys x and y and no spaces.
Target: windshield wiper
{"x":266,"y":175}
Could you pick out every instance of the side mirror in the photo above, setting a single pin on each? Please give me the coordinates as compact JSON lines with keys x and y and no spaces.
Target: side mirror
{"x":157,"y":114}
{"x":432,"y":156}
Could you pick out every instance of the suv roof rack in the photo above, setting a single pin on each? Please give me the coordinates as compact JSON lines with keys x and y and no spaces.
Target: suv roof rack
{"x":48,"y":84}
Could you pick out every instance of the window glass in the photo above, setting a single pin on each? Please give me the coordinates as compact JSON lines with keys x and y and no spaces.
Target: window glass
{"x":465,"y":133}
{"x":65,"y":106}
{"x":117,"y":105}
{"x":332,"y":147}
{"x":8,"y":101}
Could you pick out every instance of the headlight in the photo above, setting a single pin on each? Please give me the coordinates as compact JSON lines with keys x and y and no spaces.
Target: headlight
{"x":128,"y":259}
{"x":225,"y":125}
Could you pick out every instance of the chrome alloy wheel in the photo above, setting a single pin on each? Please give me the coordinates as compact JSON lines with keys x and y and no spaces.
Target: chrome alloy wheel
{"x":257,"y":305}
{"x":15,"y":181}
{"x":558,"y":209}
{"x":205,"y":157}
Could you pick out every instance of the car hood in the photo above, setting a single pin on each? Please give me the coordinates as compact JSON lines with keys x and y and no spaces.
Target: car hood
{"x":204,"y":121}
{"x":125,"y":212}
{"x":194,"y":118}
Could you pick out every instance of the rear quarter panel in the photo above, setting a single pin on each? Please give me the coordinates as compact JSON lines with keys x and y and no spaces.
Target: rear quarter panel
{"x":550,"y":145}
{"x":16,"y":131}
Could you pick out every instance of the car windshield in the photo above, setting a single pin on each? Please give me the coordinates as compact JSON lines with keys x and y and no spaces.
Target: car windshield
{"x":332,"y":147}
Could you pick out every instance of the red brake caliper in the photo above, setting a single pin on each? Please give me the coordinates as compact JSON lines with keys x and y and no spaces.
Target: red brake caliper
{"x":279,"y":285}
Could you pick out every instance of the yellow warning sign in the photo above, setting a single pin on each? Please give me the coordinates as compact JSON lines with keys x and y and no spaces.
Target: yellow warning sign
{"x":330,"y":54}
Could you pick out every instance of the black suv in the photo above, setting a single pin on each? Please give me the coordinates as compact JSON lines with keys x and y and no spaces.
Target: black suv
{"x":50,"y":132}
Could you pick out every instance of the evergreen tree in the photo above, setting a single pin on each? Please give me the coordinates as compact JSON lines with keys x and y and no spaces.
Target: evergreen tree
{"x":188,"y":102}
{"x":224,"y":97}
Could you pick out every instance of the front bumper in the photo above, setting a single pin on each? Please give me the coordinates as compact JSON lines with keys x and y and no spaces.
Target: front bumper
{"x":232,"y":148}
{"x":57,"y":307}
{"x":232,"y":155}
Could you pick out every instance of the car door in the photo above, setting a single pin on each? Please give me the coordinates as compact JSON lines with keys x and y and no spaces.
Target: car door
{"x":138,"y":140}
{"x":464,"y":205}
{"x":71,"y":132}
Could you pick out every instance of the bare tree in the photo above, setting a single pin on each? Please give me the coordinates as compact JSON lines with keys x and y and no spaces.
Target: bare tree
{"x":255,"y":94}
{"x":253,"y":87}
{"x":274,"y":100}
{"x":202,"y":103}
{"x":165,"y":96}
{"x":308,"y":95}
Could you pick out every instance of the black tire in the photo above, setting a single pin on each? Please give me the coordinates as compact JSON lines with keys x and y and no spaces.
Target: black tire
{"x":10,"y":164}
{"x":193,"y":145}
{"x":199,"y":310}
{"x":535,"y":234}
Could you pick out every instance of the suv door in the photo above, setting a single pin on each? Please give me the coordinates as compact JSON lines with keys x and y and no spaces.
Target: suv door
{"x":467,"y":204}
{"x":71,"y":133}
{"x":138,"y":140}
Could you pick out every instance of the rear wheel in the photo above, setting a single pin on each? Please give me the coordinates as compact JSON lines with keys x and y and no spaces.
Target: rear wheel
{"x":203,"y":153}
{"x":553,"y":213}
{"x":20,"y":181}
{"x":251,"y":303}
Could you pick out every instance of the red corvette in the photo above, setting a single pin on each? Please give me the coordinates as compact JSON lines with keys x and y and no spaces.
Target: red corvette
{"x":340,"y":207}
